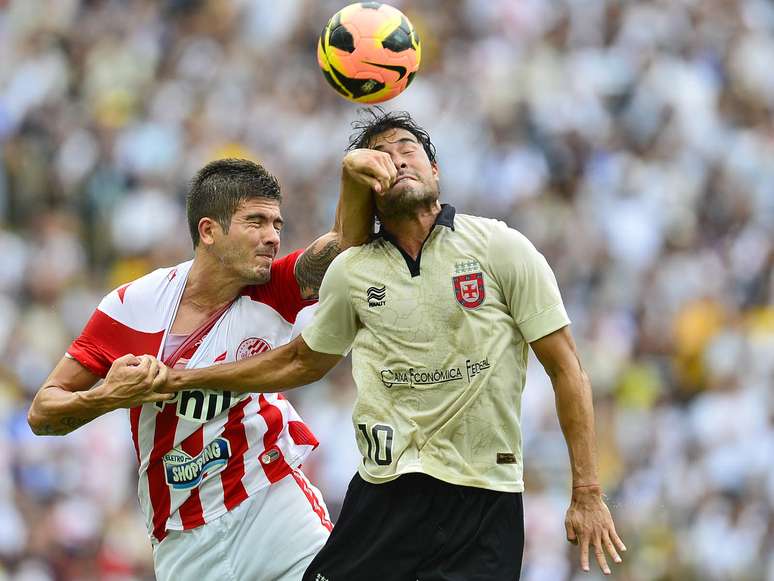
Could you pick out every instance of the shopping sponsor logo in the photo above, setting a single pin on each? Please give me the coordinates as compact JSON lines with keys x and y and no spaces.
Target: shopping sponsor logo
{"x":184,"y":472}
{"x":376,"y":296}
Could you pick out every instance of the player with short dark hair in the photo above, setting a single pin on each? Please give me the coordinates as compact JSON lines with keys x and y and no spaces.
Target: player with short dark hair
{"x":219,"y":477}
{"x":439,"y":311}
{"x":220,"y":186}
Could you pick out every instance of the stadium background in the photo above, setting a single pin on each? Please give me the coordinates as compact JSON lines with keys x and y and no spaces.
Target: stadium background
{"x":632,"y":141}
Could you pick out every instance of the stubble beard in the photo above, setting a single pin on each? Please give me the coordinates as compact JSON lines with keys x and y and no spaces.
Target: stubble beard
{"x":235,"y":262}
{"x":405,"y":203}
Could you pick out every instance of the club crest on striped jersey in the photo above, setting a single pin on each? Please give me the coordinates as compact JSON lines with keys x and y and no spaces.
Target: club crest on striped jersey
{"x":469,"y":289}
{"x":184,"y":472}
{"x":252,"y":346}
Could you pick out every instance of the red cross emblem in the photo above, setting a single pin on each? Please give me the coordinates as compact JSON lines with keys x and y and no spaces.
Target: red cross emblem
{"x":469,"y":289}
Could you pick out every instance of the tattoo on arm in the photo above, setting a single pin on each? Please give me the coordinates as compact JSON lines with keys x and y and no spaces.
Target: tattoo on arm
{"x":65,"y":426}
{"x":313,"y":263}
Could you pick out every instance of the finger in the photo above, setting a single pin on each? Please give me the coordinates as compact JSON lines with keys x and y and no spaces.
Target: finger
{"x":154,"y":397}
{"x":161,"y":378}
{"x":610,"y":547}
{"x":143,"y":363}
{"x":571,"y":537}
{"x":584,"y":552}
{"x":617,"y":540}
{"x":599,"y":553}
{"x":153,"y":368}
{"x":388,"y":167}
{"x":381,"y":174}
{"x":392,"y":169}
{"x":371,"y":178}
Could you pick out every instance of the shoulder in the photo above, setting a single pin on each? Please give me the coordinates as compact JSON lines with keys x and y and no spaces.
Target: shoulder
{"x":501,"y":243}
{"x":139,"y":303}
{"x":486,"y":228}
{"x":488,"y":232}
{"x":355,"y":255}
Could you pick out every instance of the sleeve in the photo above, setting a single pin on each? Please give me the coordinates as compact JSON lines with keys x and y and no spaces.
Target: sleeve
{"x":91,"y":348}
{"x":282,"y":292}
{"x":528,"y":284}
{"x":335,"y":324}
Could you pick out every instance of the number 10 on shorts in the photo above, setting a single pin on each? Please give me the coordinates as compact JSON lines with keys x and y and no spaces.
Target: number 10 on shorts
{"x":379,"y":441}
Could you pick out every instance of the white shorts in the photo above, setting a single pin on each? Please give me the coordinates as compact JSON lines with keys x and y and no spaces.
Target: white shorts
{"x":271,"y":536}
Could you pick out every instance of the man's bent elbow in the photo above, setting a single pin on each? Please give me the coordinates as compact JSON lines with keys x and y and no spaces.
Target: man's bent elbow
{"x":37,"y":422}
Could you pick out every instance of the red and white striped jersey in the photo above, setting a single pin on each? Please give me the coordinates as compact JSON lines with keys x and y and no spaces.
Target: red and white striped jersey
{"x":204,"y":452}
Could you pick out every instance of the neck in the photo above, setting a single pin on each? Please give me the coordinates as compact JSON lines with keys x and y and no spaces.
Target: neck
{"x":208,"y":288}
{"x":411,"y":231}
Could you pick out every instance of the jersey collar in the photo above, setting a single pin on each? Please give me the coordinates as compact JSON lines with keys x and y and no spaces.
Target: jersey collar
{"x":444,"y":218}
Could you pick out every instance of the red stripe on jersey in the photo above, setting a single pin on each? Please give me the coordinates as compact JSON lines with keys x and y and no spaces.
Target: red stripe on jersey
{"x":134,"y":422}
{"x":191,"y":513}
{"x":122,"y":291}
{"x":314,"y":501}
{"x":158,"y":489}
{"x":103,"y":340}
{"x":231,"y":478}
{"x":271,"y":459}
{"x":301,"y":434}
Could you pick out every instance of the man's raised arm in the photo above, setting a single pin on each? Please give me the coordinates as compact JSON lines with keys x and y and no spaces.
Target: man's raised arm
{"x":289,"y":366}
{"x":363,"y":172}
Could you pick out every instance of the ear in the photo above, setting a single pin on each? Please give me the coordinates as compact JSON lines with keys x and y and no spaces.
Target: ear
{"x":208,"y":230}
{"x":436,"y":172}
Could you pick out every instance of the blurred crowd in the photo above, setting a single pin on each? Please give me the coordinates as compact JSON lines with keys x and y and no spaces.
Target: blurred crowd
{"x":631,"y":141}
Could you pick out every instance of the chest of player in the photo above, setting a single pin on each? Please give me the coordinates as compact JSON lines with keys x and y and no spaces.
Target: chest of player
{"x":448,"y":293}
{"x":245,"y":329}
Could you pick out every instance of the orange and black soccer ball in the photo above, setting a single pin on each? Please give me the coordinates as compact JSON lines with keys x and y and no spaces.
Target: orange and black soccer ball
{"x":369,"y":52}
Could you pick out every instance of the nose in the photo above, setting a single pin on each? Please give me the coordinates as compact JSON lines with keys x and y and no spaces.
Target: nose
{"x":271,"y":237}
{"x":398,"y":161}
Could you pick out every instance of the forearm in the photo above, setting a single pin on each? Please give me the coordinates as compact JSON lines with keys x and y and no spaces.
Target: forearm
{"x":56,"y":412}
{"x":354,"y":213}
{"x":289,"y":366}
{"x":574,"y":406}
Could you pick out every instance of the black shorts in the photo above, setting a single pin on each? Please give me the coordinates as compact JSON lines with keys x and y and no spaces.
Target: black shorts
{"x":419,"y":528}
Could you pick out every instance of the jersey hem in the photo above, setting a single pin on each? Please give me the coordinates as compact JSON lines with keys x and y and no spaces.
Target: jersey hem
{"x":87,"y":364}
{"x":315,"y":340}
{"x":544,"y":323}
{"x":516,"y":486}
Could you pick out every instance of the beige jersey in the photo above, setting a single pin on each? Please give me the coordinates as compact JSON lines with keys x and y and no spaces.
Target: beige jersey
{"x":439,"y":348}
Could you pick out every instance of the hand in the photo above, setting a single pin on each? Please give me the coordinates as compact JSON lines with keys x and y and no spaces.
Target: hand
{"x":371,"y":168}
{"x":588,"y":521}
{"x":131,"y":380}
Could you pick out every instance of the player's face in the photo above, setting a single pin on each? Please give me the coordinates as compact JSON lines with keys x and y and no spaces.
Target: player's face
{"x":417,"y":183}
{"x":252,"y":241}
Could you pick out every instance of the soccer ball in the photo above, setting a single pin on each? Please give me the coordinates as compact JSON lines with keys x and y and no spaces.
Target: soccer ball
{"x":369,"y":52}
